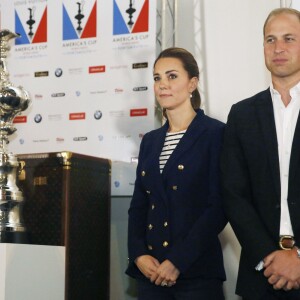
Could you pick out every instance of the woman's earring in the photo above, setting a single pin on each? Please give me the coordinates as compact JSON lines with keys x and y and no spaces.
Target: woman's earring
{"x":191,"y":95}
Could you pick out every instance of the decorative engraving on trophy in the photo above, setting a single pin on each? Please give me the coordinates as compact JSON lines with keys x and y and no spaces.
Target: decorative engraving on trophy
{"x":13,"y":100}
{"x":30,"y":22}
{"x":79,"y":16}
{"x":3,"y":179}
{"x":130,"y":11}
{"x":40,"y":180}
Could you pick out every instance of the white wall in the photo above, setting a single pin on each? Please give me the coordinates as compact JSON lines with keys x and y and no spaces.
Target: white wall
{"x":228,"y":44}
{"x":226,"y":37}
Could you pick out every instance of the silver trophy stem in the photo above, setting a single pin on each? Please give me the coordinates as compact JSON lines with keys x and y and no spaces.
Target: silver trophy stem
{"x":13,"y":100}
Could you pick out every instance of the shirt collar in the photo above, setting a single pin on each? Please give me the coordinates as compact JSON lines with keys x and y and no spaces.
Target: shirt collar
{"x":294,"y":92}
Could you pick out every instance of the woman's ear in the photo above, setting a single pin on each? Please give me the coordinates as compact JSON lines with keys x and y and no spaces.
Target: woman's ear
{"x":194,"y":84}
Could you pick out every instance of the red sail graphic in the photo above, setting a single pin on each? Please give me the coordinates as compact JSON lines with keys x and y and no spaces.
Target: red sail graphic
{"x":141,"y":24}
{"x":41,"y":33}
{"x":90,"y":27}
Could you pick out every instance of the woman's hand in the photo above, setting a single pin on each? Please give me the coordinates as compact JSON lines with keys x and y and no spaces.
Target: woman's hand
{"x":167,"y":274}
{"x":148,"y":265}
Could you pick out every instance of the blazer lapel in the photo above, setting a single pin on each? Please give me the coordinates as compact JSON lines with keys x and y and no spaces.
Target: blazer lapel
{"x":158,"y":143}
{"x":187,"y":141}
{"x":266,"y":119}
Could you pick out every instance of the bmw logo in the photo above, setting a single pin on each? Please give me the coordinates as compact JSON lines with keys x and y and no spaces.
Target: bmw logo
{"x":97,"y":114}
{"x":38,"y":118}
{"x":58,"y":72}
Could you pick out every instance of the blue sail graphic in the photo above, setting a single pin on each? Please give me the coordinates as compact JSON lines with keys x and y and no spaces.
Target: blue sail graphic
{"x":120,"y":26}
{"x":20,"y":30}
{"x":69,"y":32}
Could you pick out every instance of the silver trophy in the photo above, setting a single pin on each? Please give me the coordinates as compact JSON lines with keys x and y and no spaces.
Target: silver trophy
{"x":13,"y":100}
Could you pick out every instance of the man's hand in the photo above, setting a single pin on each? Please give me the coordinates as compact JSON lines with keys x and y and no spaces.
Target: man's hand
{"x":282,"y":268}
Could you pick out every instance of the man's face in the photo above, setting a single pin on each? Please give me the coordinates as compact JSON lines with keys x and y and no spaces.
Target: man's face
{"x":282,"y":47}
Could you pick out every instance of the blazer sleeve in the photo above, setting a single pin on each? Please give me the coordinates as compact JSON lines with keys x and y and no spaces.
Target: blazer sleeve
{"x":137,"y":216}
{"x":237,"y":183}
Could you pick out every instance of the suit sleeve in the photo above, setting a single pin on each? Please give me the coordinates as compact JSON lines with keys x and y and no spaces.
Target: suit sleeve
{"x":239,"y":206}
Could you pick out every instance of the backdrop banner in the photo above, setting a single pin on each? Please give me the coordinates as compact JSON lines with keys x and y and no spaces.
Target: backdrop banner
{"x":88,"y":68}
{"x":295,"y":4}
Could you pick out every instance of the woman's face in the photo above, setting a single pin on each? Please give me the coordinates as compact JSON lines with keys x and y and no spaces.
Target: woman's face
{"x":172,"y":86}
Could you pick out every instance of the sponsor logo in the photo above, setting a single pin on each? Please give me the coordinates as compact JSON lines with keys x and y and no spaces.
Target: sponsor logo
{"x":58,"y":95}
{"x":80,"y":139}
{"x":41,"y":141}
{"x":139,"y":112}
{"x":56,"y":117}
{"x":21,"y":141}
{"x":97,"y":69}
{"x":141,"y":65}
{"x":75,"y":71}
{"x":60,"y":139}
{"x":38,"y":96}
{"x":118,"y":67}
{"x":38,"y":118}
{"x":98,"y":92}
{"x":21,"y":75}
{"x":77,"y":93}
{"x":98,"y":114}
{"x":117,"y":183}
{"x":58,"y":72}
{"x":117,"y":113}
{"x":79,"y":20}
{"x":31,"y":25}
{"x":140,"y":88}
{"x":20,"y":119}
{"x":121,"y":137}
{"x":119,"y":91}
{"x":41,"y":74}
{"x":77,"y":116}
{"x":100,"y":137}
{"x":130,"y":18}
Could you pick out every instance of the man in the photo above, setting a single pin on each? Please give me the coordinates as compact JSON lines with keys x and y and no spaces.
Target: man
{"x":261,"y":170}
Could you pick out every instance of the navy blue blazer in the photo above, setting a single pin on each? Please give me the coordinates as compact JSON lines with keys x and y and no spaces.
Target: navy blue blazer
{"x":251,"y":187}
{"x":177,"y":215}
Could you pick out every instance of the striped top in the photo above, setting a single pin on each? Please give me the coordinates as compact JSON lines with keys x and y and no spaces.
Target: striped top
{"x":171,"y":141}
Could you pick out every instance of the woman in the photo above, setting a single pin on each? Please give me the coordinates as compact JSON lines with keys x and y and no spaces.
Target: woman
{"x":176,"y":214}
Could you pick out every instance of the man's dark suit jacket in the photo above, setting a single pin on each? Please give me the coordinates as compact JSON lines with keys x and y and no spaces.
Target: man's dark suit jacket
{"x":177,"y":215}
{"x":251,"y":186}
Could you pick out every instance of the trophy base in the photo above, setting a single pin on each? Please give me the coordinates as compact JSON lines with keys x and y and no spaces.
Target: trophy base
{"x":15,"y":237}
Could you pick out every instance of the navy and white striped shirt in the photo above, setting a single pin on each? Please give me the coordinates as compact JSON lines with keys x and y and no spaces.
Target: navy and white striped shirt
{"x":171,"y":141}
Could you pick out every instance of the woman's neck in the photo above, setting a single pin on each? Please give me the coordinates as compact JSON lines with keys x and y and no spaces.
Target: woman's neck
{"x":180,"y":121}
